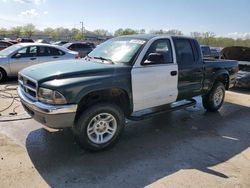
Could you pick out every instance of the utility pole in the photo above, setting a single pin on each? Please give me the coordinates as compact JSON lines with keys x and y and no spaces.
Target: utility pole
{"x":82,"y":29}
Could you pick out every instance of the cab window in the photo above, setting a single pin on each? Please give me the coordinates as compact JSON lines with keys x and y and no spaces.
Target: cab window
{"x":162,"y":49}
{"x":184,"y":52}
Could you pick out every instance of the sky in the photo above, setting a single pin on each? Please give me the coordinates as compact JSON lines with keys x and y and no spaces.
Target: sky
{"x":223,"y":17}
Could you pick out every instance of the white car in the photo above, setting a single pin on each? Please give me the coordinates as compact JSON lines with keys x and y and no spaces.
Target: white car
{"x":19,"y":56}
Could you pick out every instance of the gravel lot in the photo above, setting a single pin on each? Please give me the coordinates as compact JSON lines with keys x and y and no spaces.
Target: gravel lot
{"x":185,"y":148}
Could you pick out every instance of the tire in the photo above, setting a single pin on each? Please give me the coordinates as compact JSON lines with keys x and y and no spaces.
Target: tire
{"x":99,"y":127}
{"x":3,"y":75}
{"x":215,"y":98}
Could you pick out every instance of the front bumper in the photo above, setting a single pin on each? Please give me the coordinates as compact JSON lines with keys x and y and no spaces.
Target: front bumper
{"x":53,"y":116}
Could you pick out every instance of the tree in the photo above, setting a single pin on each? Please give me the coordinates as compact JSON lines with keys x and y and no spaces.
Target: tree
{"x":119,"y":32}
{"x":141,"y":31}
{"x":49,"y":31}
{"x":101,"y":32}
{"x":29,"y":30}
{"x":166,"y":32}
{"x":3,"y":31}
{"x":17,"y":31}
{"x":173,"y":32}
{"x":209,"y":38}
{"x":126,"y":31}
{"x":77,"y":35}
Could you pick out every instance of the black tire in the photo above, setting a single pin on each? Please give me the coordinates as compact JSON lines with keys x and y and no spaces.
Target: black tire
{"x":85,"y":119}
{"x":209,"y":101}
{"x":3,"y":75}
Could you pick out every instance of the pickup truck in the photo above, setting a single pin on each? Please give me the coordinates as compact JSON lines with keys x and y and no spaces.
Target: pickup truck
{"x":119,"y":79}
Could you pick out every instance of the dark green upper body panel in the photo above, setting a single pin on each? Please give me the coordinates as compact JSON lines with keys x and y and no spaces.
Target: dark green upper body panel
{"x":76,"y":78}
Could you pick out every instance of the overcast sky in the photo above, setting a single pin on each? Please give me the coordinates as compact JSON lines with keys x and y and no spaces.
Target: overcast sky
{"x":224,"y":17}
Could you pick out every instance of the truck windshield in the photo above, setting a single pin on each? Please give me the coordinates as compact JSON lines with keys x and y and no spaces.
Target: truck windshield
{"x":118,"y":50}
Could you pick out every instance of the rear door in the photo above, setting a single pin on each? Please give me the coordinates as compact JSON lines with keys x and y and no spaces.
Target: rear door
{"x":47,"y":54}
{"x":155,"y":84}
{"x":191,"y":68}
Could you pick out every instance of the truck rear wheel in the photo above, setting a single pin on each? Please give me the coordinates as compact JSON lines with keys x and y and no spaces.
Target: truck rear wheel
{"x":215,"y":98}
{"x":99,"y":126}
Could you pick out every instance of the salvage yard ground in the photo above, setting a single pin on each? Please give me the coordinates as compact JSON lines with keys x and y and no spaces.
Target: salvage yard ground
{"x":185,"y":148}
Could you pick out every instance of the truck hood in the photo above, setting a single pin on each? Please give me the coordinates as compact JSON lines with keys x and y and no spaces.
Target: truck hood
{"x":68,"y":69}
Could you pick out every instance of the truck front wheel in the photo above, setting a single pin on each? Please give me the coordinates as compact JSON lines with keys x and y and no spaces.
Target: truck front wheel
{"x":99,"y":126}
{"x":215,"y":98}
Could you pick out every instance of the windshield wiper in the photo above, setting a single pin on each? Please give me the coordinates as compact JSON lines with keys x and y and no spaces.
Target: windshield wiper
{"x":104,"y":59}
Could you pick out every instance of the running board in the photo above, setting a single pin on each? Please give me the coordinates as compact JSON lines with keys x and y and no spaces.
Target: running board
{"x":172,"y":107}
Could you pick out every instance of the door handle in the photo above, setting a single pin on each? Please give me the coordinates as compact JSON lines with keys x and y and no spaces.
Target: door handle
{"x":33,"y":58}
{"x":173,"y":73}
{"x":55,"y":57}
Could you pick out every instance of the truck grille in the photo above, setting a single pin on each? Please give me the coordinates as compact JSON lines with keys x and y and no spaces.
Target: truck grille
{"x":28,"y":86}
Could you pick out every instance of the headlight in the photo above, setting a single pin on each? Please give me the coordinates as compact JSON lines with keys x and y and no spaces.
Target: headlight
{"x":50,"y":96}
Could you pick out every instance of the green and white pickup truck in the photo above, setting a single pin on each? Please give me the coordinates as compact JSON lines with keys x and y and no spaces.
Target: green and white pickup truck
{"x":118,"y":79}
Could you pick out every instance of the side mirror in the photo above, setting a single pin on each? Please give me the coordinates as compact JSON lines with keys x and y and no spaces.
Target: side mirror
{"x":17,"y":56}
{"x":154,"y":58}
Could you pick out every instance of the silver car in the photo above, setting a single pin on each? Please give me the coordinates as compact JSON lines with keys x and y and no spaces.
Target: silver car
{"x":19,"y":56}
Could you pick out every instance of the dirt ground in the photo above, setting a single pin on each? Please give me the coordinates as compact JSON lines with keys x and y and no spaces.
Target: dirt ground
{"x":186,"y":148}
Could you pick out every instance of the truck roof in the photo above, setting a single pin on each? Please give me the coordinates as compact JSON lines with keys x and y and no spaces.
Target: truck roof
{"x":150,"y":36}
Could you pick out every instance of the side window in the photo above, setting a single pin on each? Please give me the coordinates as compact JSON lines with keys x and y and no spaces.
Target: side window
{"x":32,"y":51}
{"x":162,"y":49}
{"x":184,"y":52}
{"x":24,"y":52}
{"x":43,"y":51}
{"x":55,"y":52}
{"x":3,"y":45}
{"x":73,"y":47}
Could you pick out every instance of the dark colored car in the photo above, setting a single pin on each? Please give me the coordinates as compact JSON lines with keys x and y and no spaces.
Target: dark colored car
{"x":60,"y":43}
{"x":83,"y":48}
{"x":4,"y":44}
{"x":206,"y":52}
{"x":23,"y":40}
{"x":242,"y":55}
{"x":215,"y":52}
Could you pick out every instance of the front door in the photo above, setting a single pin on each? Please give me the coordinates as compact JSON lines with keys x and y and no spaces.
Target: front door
{"x":154,"y":82}
{"x":23,"y":58}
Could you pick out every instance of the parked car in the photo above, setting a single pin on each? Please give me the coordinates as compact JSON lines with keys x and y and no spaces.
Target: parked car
{"x":23,"y":40}
{"x":19,"y":56}
{"x":60,"y":43}
{"x":42,"y":41}
{"x":4,"y":44}
{"x":83,"y":48}
{"x":206,"y":52}
{"x":215,"y":52}
{"x":120,"y":79}
{"x":242,"y":55}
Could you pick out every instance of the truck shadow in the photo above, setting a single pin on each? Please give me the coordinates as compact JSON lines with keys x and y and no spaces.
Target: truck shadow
{"x":148,"y":150}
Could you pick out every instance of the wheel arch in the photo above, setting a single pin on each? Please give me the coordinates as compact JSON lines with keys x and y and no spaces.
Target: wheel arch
{"x":113,"y":95}
{"x":4,"y":70}
{"x":223,"y":77}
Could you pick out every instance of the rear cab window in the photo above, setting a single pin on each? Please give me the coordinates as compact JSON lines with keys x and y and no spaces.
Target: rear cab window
{"x":186,"y":54}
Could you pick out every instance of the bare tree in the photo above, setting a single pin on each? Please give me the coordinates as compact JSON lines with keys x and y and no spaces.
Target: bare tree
{"x":17,"y":31}
{"x":29,"y":30}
